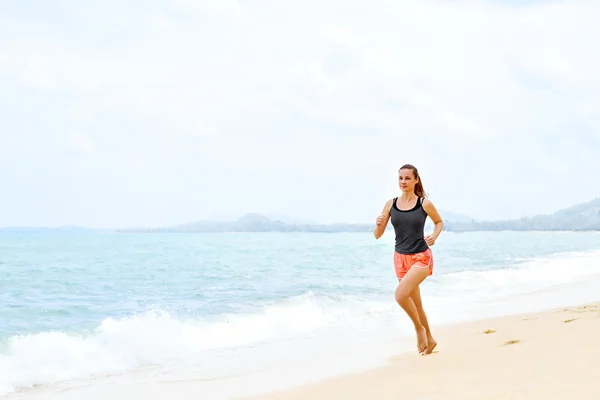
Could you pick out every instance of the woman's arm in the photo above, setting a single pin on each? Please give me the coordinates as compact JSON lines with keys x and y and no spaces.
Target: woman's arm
{"x":382,"y":220}
{"x":432,"y":212}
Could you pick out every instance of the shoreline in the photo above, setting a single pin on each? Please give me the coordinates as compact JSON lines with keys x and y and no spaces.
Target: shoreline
{"x":550,"y":354}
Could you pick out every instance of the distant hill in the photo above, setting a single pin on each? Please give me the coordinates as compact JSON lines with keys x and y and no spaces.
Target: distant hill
{"x":290,"y":220}
{"x":260,"y":223}
{"x":454,"y":217}
{"x":580,"y":217}
{"x":254,"y":223}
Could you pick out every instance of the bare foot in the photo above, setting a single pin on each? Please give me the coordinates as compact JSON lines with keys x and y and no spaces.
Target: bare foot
{"x":431,"y":343}
{"x":421,"y":339}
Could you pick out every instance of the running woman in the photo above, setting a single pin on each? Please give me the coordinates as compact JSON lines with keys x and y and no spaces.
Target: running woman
{"x":413,"y":259}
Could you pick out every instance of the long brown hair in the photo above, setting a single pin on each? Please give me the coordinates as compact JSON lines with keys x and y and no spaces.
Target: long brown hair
{"x":419,"y":191}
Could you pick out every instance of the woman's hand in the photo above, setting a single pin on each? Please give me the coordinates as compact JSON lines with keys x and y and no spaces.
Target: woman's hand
{"x":382,"y":220}
{"x":430,"y":240}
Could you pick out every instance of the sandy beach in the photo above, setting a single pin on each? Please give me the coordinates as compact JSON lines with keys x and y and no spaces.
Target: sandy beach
{"x":547,"y":355}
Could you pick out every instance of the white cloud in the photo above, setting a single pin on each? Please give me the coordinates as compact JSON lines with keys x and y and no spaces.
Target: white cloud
{"x":184,"y":110}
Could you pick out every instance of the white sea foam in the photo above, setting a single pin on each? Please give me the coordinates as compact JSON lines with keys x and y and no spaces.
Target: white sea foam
{"x":522,"y":277}
{"x":527,"y":285}
{"x":160,"y":338}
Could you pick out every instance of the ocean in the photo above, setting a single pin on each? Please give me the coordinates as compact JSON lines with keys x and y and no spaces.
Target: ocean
{"x":241,"y":313}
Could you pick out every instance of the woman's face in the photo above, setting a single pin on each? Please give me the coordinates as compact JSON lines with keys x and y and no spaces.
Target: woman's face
{"x":406,"y":180}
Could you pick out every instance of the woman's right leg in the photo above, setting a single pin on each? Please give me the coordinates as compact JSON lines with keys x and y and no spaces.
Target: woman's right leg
{"x":416,"y":298}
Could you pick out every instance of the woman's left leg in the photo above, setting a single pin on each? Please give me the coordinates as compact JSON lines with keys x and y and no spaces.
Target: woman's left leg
{"x":407,"y":285}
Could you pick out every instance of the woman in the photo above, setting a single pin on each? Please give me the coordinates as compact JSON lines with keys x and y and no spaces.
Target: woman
{"x":413,"y":260}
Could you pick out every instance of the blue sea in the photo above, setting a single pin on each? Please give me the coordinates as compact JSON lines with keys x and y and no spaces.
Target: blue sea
{"x":240,"y":313}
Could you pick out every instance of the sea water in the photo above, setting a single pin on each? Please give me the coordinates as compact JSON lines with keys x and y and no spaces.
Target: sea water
{"x":241,"y":313}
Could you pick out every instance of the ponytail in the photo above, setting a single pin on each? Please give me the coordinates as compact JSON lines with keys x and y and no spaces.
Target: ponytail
{"x":419,"y":191}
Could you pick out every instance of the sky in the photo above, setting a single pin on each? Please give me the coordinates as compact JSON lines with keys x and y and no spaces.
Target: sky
{"x":151,"y":113}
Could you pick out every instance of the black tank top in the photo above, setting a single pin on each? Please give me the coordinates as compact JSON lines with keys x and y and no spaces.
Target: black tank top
{"x":409,"y":226}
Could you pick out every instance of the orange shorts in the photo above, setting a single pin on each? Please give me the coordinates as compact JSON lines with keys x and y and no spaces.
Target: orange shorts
{"x":403,"y":262}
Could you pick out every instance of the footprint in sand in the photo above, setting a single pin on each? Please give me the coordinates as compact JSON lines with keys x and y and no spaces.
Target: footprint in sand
{"x":585,"y":309}
{"x":510,"y":342}
{"x":489,"y":331}
{"x":588,"y":308}
{"x":569,"y":320}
